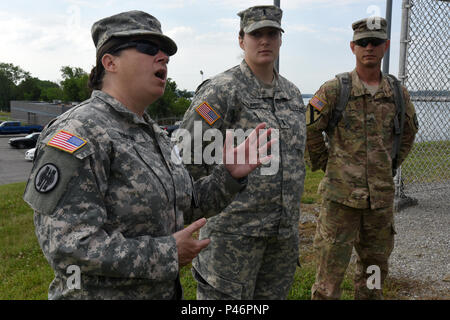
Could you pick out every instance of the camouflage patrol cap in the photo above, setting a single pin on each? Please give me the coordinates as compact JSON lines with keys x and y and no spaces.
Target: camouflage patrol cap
{"x":131,"y":24}
{"x":259,"y":17}
{"x":373,"y":27}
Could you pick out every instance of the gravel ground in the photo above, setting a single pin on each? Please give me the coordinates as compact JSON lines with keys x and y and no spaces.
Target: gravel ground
{"x":422,"y":245}
{"x":420,"y":259}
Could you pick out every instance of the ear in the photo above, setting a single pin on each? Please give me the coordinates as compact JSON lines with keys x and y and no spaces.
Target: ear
{"x":109,"y":62}
{"x":352,"y":46}
{"x":386,"y":45}
{"x":241,"y":43}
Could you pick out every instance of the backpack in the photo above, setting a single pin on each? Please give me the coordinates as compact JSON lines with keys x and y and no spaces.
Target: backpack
{"x":345,"y":84}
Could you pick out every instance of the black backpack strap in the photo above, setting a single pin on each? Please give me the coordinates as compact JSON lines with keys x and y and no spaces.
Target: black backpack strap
{"x":399,"y":119}
{"x":345,"y":85}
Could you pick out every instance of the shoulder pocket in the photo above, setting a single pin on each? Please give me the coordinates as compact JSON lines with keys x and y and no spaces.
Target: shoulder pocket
{"x":51,"y":174}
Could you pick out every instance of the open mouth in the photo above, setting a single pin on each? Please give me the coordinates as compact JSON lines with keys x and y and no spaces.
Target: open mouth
{"x":161,"y":74}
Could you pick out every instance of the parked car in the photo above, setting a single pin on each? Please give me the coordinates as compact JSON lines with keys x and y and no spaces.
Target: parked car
{"x":17,"y":127}
{"x":29,"y":154}
{"x":170,"y":129}
{"x":28,"y":141}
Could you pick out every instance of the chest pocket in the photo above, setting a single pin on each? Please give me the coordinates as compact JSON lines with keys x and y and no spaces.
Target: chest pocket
{"x":291,"y":114}
{"x":138,"y":165}
{"x":350,"y":126}
{"x":258,"y":111}
{"x":182,"y":182}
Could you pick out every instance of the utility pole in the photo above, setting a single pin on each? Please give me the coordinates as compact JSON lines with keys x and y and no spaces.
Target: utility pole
{"x":389,"y":22}
{"x":277,"y":62}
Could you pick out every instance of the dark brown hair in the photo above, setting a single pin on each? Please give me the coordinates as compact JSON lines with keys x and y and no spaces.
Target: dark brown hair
{"x":98,"y":71}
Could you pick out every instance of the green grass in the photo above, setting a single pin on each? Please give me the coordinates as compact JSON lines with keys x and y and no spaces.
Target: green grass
{"x":5,"y":116}
{"x":427,"y":162}
{"x":25,"y":273}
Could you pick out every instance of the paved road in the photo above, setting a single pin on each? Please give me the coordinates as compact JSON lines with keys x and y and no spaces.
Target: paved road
{"x":13,"y":166}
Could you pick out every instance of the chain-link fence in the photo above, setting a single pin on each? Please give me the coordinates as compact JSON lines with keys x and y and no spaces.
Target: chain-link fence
{"x":424,"y":68}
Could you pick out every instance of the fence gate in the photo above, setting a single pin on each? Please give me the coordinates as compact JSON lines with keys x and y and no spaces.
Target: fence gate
{"x":424,"y":70}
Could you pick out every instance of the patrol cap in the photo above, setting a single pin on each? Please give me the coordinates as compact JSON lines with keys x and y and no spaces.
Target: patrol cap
{"x":259,"y":17}
{"x":373,"y":27}
{"x":130,"y":24}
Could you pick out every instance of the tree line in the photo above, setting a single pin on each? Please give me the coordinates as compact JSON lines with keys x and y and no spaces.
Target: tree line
{"x":18,"y":84}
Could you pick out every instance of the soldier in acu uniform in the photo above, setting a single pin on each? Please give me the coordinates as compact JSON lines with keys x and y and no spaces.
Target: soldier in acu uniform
{"x":358,"y":187}
{"x":107,"y":196}
{"x":254,"y":241}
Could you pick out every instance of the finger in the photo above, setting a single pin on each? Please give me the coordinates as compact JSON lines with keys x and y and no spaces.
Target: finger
{"x":196,"y":225}
{"x":253,"y":136}
{"x":228,"y":154}
{"x":264,"y":136}
{"x":264,"y":160}
{"x":202,"y":244}
{"x":265,"y":148}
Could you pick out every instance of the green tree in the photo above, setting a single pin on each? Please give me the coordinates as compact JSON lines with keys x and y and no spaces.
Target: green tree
{"x":50,"y":91}
{"x":14,"y":73}
{"x":28,"y":89}
{"x":75,"y":84}
{"x":10,"y":76}
{"x":173,"y":103}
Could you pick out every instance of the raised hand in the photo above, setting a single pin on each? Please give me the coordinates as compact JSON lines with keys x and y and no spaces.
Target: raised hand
{"x":245,"y":158}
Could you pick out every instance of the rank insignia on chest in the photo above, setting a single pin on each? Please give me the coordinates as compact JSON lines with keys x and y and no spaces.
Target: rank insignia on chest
{"x":207,"y":113}
{"x":66,"y":141}
{"x":317,"y":103}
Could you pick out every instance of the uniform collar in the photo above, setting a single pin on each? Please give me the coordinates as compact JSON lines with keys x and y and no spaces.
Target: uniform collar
{"x":120,"y":108}
{"x":358,"y":88}
{"x":258,"y":91}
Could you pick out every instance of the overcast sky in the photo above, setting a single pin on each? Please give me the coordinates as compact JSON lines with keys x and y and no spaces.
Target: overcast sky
{"x":41,"y":36}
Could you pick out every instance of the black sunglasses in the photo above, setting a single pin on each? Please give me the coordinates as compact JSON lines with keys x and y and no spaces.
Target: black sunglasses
{"x":143,"y":46}
{"x":365,"y":42}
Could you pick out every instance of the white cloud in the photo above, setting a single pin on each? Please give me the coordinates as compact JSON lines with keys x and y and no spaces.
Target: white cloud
{"x":300,"y":28}
{"x":291,"y":4}
{"x":232,"y":23}
{"x":42,"y":45}
{"x":180,"y":32}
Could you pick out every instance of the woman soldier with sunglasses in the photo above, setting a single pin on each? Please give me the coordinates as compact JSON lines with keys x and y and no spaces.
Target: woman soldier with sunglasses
{"x":110,"y":203}
{"x":358,"y":188}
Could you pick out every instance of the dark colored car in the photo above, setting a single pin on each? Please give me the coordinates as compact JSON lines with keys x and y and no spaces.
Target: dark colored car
{"x":28,"y":141}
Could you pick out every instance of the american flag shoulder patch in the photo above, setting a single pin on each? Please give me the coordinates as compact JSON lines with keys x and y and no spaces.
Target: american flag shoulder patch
{"x":317,"y":103}
{"x":207,"y":113}
{"x":66,"y":141}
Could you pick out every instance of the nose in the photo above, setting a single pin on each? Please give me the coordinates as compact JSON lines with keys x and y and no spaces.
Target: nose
{"x":163,"y":57}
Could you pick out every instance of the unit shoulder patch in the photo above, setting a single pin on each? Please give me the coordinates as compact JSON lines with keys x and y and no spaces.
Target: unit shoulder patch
{"x":317,"y":103}
{"x":46,"y":178}
{"x":207,"y":113}
{"x":66,"y":141}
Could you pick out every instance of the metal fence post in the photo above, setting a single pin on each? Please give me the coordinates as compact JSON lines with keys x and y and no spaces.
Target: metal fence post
{"x":389,"y":22}
{"x":277,"y":62}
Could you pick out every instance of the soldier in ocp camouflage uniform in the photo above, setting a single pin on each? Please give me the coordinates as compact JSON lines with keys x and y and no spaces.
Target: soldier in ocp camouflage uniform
{"x":107,"y":196}
{"x":254,"y":241}
{"x":358,"y":188}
